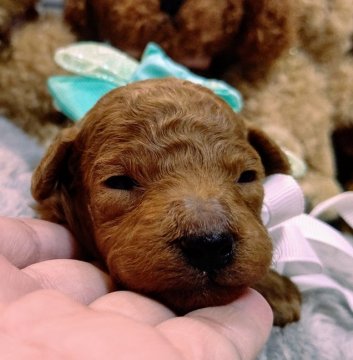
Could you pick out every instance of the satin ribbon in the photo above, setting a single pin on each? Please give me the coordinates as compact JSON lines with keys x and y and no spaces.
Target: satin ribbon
{"x":101,"y":68}
{"x":312,"y":253}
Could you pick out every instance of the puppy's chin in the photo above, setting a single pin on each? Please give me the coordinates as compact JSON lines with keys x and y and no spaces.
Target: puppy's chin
{"x":196,"y":290}
{"x":184,"y":301}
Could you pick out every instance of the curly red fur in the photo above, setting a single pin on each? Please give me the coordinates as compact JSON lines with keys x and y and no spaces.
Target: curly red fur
{"x":184,"y":152}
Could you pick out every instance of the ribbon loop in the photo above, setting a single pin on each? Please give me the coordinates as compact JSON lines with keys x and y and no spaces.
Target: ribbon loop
{"x":99,"y":61}
{"x":102,"y":68}
{"x":307,"y":249}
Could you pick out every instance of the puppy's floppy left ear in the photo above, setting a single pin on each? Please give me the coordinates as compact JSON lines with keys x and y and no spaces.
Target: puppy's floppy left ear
{"x":273,"y":158}
{"x":53,"y":166}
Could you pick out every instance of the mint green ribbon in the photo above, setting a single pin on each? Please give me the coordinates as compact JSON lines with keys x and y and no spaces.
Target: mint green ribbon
{"x":101,"y":68}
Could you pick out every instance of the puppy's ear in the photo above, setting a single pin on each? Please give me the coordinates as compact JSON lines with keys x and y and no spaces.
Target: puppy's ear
{"x":53,"y":168}
{"x":273,"y":158}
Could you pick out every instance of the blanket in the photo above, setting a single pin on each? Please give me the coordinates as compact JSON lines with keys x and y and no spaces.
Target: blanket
{"x":19,"y":155}
{"x":325,"y":331}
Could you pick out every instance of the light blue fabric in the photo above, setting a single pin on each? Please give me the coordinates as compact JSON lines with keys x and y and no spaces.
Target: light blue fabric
{"x":76,"y":95}
{"x":156,"y":64}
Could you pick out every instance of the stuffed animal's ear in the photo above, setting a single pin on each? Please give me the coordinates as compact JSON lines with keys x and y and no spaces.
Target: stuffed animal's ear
{"x":53,"y":168}
{"x":268,"y":29}
{"x":273,"y":158}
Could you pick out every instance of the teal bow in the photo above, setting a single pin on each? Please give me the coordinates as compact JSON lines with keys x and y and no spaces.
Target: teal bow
{"x":102,"y":68}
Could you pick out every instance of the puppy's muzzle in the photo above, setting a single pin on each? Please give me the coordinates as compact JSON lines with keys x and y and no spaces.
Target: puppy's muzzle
{"x":209,"y":252}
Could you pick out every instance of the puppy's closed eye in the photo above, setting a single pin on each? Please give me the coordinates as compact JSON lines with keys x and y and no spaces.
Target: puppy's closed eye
{"x":121,"y":182}
{"x":247,"y":176}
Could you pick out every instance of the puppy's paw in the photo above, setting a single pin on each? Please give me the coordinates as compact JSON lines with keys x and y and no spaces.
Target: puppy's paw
{"x":285,"y":304}
{"x":283,"y":296}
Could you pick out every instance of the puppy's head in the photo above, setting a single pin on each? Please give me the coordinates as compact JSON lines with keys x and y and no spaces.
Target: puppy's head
{"x":163,"y":181}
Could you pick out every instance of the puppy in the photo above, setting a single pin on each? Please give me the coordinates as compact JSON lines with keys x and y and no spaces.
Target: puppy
{"x":162,"y":182}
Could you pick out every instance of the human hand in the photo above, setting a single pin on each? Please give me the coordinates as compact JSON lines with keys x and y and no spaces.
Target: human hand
{"x":89,"y":323}
{"x":36,"y":254}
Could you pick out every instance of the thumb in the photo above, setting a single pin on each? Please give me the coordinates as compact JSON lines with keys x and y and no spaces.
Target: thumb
{"x":247,"y":322}
{"x":235,"y":331}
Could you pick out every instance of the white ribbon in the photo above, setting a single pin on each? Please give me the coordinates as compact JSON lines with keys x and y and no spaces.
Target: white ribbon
{"x":311,"y":252}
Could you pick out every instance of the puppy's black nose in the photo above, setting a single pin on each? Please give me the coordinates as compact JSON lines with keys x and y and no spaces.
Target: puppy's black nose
{"x":208,"y":252}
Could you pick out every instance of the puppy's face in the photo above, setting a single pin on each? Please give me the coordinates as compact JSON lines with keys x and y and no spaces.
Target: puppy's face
{"x":164,"y":181}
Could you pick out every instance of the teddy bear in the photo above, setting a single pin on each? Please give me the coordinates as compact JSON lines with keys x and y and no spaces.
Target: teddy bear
{"x":329,"y":41}
{"x":26,"y":60}
{"x":336,"y":60}
{"x":306,"y":104}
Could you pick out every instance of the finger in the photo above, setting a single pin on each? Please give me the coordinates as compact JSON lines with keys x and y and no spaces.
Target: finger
{"x":53,"y":241}
{"x":134,"y":306}
{"x":13,"y":282}
{"x":80,"y":280}
{"x":39,"y":305}
{"x":237,"y":331}
{"x":246,"y":322}
{"x":26,"y":241}
{"x":43,"y":317}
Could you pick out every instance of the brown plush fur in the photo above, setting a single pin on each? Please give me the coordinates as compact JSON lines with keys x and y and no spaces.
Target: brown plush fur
{"x":293,"y":108}
{"x":253,"y":33}
{"x":10,"y":12}
{"x":326,"y":28}
{"x":29,"y":61}
{"x":159,"y":175}
{"x":308,"y":95}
